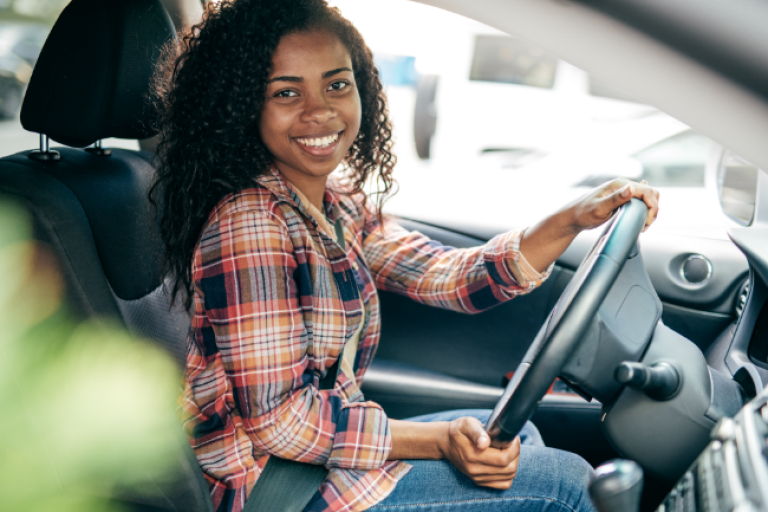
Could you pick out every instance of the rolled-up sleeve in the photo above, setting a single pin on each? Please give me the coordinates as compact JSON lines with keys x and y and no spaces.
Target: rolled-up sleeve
{"x":256,"y":300}
{"x":468,"y":280}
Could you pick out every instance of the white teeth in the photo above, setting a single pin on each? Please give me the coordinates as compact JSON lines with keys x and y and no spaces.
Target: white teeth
{"x":320,"y":142}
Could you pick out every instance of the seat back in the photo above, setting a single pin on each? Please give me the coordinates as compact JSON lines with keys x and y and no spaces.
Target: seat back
{"x":91,"y":82}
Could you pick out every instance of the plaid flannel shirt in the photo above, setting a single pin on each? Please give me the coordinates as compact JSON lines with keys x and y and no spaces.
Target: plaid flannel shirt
{"x":275,"y":300}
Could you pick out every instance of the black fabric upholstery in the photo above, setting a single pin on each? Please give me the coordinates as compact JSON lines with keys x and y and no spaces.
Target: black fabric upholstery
{"x":61,"y":223}
{"x":149,"y":317}
{"x":112,"y":194}
{"x":92,"y":78}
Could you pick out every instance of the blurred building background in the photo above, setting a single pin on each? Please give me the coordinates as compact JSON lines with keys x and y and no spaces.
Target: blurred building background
{"x":471,"y":107}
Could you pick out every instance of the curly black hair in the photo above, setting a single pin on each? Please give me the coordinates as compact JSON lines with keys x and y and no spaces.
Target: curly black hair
{"x":210,"y":89}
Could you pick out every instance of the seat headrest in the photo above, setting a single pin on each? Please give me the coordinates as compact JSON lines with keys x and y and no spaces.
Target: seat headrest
{"x":92,"y":79}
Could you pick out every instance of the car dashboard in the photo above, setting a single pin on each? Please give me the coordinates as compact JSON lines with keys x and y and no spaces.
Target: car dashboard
{"x":732,"y":472}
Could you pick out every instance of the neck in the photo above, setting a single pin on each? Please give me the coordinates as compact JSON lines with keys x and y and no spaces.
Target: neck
{"x":313,"y":187}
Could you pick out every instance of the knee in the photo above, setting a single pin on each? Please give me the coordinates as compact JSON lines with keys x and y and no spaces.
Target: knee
{"x":579,"y":469}
{"x":558,"y":476}
{"x":575,"y":476}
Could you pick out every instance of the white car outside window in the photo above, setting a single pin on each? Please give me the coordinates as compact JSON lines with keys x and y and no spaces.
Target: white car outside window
{"x":511,"y":120}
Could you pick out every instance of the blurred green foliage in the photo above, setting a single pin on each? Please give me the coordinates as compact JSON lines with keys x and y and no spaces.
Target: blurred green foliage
{"x":85,"y":409}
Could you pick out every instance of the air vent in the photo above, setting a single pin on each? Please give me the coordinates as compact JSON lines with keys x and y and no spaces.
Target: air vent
{"x":758,"y":344}
{"x":741,"y":299}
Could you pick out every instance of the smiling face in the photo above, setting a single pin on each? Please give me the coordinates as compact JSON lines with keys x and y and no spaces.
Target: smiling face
{"x":311,"y":114}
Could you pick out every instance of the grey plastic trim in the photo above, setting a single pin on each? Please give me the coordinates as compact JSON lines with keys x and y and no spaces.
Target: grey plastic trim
{"x":665,"y":437}
{"x":401,"y":379}
{"x":750,"y":443}
{"x":737,"y":355}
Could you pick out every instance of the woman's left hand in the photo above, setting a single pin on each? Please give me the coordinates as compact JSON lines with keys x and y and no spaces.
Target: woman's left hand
{"x":598,"y":205}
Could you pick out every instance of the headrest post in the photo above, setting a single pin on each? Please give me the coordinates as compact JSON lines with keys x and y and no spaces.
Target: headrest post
{"x":45,"y":154}
{"x":98,"y":150}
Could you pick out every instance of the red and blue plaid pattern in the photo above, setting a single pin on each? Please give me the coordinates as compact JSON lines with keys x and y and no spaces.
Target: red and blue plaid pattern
{"x":275,"y":299}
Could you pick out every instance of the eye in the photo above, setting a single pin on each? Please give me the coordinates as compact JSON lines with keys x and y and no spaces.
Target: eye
{"x":338,"y":86}
{"x":286,"y":94}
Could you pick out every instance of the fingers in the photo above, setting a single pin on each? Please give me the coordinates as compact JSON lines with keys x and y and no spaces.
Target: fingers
{"x":624,"y":191}
{"x":497,"y":477}
{"x":485,"y":465}
{"x":650,"y":197}
{"x":482,"y":441}
{"x":474,"y":430}
{"x":492,"y":463}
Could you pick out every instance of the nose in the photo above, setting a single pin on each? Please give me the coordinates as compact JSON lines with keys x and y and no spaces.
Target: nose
{"x":318,"y":110}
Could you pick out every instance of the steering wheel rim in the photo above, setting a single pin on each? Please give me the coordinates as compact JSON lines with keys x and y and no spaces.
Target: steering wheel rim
{"x":560,"y":334}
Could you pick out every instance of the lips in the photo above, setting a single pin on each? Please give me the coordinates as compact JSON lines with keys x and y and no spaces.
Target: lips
{"x":319,"y":145}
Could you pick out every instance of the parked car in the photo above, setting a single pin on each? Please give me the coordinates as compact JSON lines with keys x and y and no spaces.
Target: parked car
{"x":702,"y":63}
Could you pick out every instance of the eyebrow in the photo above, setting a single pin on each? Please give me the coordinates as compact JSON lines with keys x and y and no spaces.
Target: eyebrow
{"x":299,"y":79}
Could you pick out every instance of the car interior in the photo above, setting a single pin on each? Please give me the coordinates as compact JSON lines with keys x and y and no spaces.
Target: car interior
{"x":683,"y":316}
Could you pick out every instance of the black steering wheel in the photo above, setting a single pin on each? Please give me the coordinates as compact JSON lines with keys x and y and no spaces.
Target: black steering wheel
{"x":561,"y":333}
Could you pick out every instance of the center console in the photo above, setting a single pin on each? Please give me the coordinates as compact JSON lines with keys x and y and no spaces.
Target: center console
{"x":732,"y":472}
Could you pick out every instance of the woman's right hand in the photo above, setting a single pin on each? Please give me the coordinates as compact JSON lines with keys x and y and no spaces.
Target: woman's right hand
{"x":468,"y":447}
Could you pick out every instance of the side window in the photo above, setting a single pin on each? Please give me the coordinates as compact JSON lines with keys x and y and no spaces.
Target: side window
{"x":29,"y":46}
{"x":677,"y":161}
{"x":397,"y":70}
{"x":24,"y":25}
{"x":507,"y":60}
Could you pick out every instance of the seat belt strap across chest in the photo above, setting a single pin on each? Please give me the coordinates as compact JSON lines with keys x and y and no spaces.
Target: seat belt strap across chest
{"x":287,"y":485}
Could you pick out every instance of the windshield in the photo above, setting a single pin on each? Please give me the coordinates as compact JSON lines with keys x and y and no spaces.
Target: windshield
{"x":479,"y":116}
{"x":485,"y":121}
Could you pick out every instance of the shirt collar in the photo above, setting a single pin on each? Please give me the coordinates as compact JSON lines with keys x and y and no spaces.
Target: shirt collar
{"x":276,"y":183}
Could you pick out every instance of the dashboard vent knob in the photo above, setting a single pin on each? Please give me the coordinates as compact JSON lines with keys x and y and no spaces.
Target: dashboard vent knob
{"x":741,"y":300}
{"x":696,"y":269}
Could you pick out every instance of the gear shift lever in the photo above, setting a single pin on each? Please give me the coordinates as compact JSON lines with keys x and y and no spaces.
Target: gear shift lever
{"x":616,"y":486}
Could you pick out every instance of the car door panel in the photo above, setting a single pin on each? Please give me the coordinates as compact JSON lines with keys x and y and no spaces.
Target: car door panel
{"x":482,"y":348}
{"x":566,"y":422}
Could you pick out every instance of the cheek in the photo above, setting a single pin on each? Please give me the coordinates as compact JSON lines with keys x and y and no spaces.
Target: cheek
{"x":354,"y":115}
{"x":271,"y":125}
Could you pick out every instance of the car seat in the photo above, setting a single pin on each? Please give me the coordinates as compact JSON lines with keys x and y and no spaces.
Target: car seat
{"x":90,"y":206}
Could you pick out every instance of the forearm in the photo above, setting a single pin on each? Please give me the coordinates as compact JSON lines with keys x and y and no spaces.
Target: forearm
{"x":412,"y":440}
{"x":468,"y":280}
{"x":546,"y":241}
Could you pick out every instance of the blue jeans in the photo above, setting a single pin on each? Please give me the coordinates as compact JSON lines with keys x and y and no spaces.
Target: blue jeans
{"x":547,"y":480}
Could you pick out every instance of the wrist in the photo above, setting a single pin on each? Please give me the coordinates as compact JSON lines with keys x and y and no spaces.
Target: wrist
{"x":568,"y":219}
{"x":444,"y":440}
{"x":417,"y":440}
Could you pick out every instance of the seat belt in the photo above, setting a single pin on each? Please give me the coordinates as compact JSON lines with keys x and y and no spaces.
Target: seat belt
{"x":287,"y":485}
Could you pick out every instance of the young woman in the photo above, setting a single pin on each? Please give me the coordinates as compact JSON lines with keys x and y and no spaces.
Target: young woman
{"x":281,"y":261}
